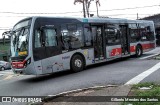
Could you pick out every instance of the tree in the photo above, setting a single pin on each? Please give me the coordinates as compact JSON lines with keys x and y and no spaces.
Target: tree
{"x":84,"y":10}
{"x":86,"y":5}
{"x":97,"y":3}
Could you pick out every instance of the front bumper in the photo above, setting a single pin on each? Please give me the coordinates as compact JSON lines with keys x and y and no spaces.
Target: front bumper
{"x":19,"y":71}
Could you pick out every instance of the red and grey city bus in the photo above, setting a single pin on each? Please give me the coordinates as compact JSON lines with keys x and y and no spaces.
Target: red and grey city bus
{"x":42,"y":45}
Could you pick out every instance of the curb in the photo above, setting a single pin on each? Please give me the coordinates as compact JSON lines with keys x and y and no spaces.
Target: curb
{"x":81,"y":89}
{"x":51,"y":97}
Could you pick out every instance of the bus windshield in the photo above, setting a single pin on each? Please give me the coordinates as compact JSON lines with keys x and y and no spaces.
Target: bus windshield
{"x":19,"y":39}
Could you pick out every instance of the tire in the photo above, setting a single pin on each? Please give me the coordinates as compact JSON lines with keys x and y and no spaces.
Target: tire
{"x":77,"y":63}
{"x":139,"y":51}
{"x":2,"y":68}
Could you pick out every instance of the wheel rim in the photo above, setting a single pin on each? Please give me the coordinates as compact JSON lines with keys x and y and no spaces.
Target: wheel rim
{"x":139,"y":51}
{"x":2,"y":68}
{"x":78,"y":63}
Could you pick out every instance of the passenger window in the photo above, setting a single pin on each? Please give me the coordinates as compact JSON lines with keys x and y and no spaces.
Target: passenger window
{"x":134,"y":32}
{"x":72,"y":36}
{"x":146,"y":32}
{"x":112,"y":34}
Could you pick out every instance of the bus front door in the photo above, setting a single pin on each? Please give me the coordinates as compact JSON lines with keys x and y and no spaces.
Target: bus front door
{"x":125,"y":39}
{"x":98,"y":43}
{"x":46,"y":49}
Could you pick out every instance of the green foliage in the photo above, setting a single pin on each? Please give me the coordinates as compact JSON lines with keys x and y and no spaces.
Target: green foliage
{"x":153,"y":92}
{"x":4,"y":47}
{"x":140,"y":103}
{"x":146,"y":84}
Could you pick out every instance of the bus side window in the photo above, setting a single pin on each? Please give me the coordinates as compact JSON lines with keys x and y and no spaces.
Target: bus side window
{"x":72,"y":36}
{"x":147,"y":32}
{"x":112,"y":35}
{"x":87,"y":35}
{"x":134,"y":32}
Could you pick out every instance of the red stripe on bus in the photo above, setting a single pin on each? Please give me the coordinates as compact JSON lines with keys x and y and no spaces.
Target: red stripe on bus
{"x":132,"y":48}
{"x":148,"y":46}
{"x":116,"y":51}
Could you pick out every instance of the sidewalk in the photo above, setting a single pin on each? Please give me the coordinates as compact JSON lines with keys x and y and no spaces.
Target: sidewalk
{"x":106,"y":91}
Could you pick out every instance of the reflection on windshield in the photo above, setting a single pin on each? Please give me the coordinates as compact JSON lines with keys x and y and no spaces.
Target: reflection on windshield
{"x":22,"y":40}
{"x":19,"y":40}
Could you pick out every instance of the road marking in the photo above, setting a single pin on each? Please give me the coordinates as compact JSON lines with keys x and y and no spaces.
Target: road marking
{"x":8,"y":77}
{"x":5,"y":73}
{"x":143,"y":75}
{"x":149,"y":56}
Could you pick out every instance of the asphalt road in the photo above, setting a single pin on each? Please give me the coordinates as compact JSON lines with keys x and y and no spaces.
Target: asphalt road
{"x":116,"y":72}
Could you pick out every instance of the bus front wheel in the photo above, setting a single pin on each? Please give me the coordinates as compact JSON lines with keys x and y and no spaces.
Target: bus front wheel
{"x":139,"y":51}
{"x":77,"y":63}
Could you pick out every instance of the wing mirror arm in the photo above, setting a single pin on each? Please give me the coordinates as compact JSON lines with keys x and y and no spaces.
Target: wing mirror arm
{"x":7,"y":33}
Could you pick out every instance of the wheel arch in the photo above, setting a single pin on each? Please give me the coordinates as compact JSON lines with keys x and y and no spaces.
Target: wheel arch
{"x":2,"y":67}
{"x":78,"y":53}
{"x":139,"y":45}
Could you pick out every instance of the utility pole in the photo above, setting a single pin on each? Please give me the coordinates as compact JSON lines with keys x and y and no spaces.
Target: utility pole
{"x":137,"y":16}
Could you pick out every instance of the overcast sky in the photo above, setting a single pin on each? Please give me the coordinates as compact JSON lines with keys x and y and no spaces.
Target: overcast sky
{"x":11,"y":10}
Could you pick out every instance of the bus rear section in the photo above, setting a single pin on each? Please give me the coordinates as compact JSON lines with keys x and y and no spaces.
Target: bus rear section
{"x":142,"y":37}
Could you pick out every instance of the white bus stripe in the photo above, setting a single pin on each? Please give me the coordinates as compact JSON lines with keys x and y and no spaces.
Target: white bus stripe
{"x":143,"y":75}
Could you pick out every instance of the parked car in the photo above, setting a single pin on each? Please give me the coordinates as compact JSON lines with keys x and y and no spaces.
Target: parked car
{"x":4,"y":65}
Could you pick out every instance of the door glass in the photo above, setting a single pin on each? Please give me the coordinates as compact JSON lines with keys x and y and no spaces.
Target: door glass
{"x":37,"y":43}
{"x":125,"y":41}
{"x":94,"y":34}
{"x":50,"y":39}
{"x":98,"y":42}
{"x":88,"y":36}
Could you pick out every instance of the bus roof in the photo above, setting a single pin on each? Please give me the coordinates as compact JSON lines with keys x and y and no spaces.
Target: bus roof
{"x":96,"y":20}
